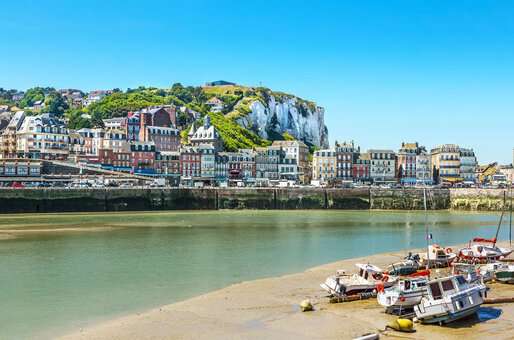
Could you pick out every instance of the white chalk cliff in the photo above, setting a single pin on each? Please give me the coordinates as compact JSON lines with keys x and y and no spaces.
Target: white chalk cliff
{"x":287,"y":114}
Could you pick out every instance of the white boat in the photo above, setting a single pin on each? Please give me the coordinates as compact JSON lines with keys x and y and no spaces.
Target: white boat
{"x":404,"y":294}
{"x":449,"y":299}
{"x":487,"y":271}
{"x":500,"y":271}
{"x":409,"y":266}
{"x":481,"y":250}
{"x":504,"y":273}
{"x":365,"y":281}
{"x":438,"y":256}
{"x":470,"y":272}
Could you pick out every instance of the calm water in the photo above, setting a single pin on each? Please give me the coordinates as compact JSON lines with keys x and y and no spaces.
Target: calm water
{"x":55,"y":281}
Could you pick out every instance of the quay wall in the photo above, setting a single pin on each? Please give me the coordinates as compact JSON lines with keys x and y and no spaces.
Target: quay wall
{"x":114,"y":199}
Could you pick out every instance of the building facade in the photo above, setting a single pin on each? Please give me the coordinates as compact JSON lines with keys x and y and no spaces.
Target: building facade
{"x":468,"y":165}
{"x":267,"y":160}
{"x":43,"y":137}
{"x":324,"y":165}
{"x":361,"y":168}
{"x":406,"y":163}
{"x":382,"y":165}
{"x":298,"y":151}
{"x":446,"y":163}
{"x":346,"y":155}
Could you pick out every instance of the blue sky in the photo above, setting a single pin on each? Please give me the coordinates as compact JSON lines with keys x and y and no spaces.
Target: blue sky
{"x":385,"y":71}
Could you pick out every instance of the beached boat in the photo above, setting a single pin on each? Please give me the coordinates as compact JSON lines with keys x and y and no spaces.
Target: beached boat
{"x":482,"y":250}
{"x":449,"y":299}
{"x":404,"y":294}
{"x":438,"y":257}
{"x":502,"y":272}
{"x":488,"y":271}
{"x":471,"y":272}
{"x":343,"y":284}
{"x":409,"y":266}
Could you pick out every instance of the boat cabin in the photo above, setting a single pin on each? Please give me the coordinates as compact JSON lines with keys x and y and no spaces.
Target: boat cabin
{"x":412,"y":284}
{"x":370,"y":272}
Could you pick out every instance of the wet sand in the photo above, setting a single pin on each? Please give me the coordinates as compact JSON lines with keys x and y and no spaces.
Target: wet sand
{"x":268,"y":309}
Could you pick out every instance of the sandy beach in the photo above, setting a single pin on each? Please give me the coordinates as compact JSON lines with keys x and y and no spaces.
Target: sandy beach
{"x":268,"y":309}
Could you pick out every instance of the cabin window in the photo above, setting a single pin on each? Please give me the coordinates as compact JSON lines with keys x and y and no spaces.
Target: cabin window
{"x":407,"y":285}
{"x":461,"y":280}
{"x":436,"y":291}
{"x":421,"y":284}
{"x":447,"y":285}
{"x":470,"y":299}
{"x":366,"y":275}
{"x":361,"y":272}
{"x":460,"y":304}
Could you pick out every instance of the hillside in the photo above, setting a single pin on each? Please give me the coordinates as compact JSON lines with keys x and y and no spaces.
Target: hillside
{"x":245,"y":116}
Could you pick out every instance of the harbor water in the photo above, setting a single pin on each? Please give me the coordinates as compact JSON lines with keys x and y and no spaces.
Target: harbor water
{"x":61,"y":272}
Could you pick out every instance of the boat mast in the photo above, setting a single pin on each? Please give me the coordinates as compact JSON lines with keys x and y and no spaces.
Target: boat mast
{"x":501,"y":217}
{"x":510,"y":219}
{"x":426,"y":225}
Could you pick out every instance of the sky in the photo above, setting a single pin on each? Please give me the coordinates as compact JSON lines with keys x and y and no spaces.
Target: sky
{"x":386,"y":72}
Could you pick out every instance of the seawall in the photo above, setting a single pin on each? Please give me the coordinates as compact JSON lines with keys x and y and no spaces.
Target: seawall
{"x":83,"y":200}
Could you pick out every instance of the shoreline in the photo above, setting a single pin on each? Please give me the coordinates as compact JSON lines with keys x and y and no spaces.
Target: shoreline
{"x":268,"y":308}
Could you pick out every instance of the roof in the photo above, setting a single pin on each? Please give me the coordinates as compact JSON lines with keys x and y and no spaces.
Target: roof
{"x":114,"y":120}
{"x":289,"y":143}
{"x":45,"y":119}
{"x":380,"y":151}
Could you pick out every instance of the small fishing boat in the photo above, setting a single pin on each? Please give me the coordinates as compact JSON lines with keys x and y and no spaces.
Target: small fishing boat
{"x":342,"y":284}
{"x":409,"y":266}
{"x":504,"y":273}
{"x":488,"y":271}
{"x":438,"y":257}
{"x":448,"y":299}
{"x":470,"y":272}
{"x":404,"y":294}
{"x":482,"y":250}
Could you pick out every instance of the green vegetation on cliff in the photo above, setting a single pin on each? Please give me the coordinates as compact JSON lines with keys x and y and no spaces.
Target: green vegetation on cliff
{"x":234,"y":136}
{"x":236,"y":99}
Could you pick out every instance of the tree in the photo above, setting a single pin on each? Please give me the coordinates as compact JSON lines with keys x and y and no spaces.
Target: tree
{"x":31,"y":96}
{"x":55,"y":103}
{"x":76,"y":120}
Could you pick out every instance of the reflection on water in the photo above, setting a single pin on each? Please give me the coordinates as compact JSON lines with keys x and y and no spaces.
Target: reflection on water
{"x":94,"y":266}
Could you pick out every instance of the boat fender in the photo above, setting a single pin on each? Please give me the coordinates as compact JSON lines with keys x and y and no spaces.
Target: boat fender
{"x":449,"y":250}
{"x":306,"y":306}
{"x":402,"y":325}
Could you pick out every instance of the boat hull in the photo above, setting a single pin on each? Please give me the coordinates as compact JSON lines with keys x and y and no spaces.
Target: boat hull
{"x":505,"y":276}
{"x":403,"y":300}
{"x":450,"y":317}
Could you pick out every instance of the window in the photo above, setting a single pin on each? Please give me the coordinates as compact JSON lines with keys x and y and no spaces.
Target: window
{"x":436,"y":291}
{"x":461,"y":280}
{"x":447,"y":285}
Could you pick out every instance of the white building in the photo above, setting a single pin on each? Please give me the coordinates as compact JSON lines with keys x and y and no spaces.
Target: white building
{"x":115,"y":123}
{"x":207,"y":161}
{"x":468,"y":165}
{"x":382,"y":165}
{"x":424,"y":168}
{"x":206,"y":134}
{"x":43,"y":137}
